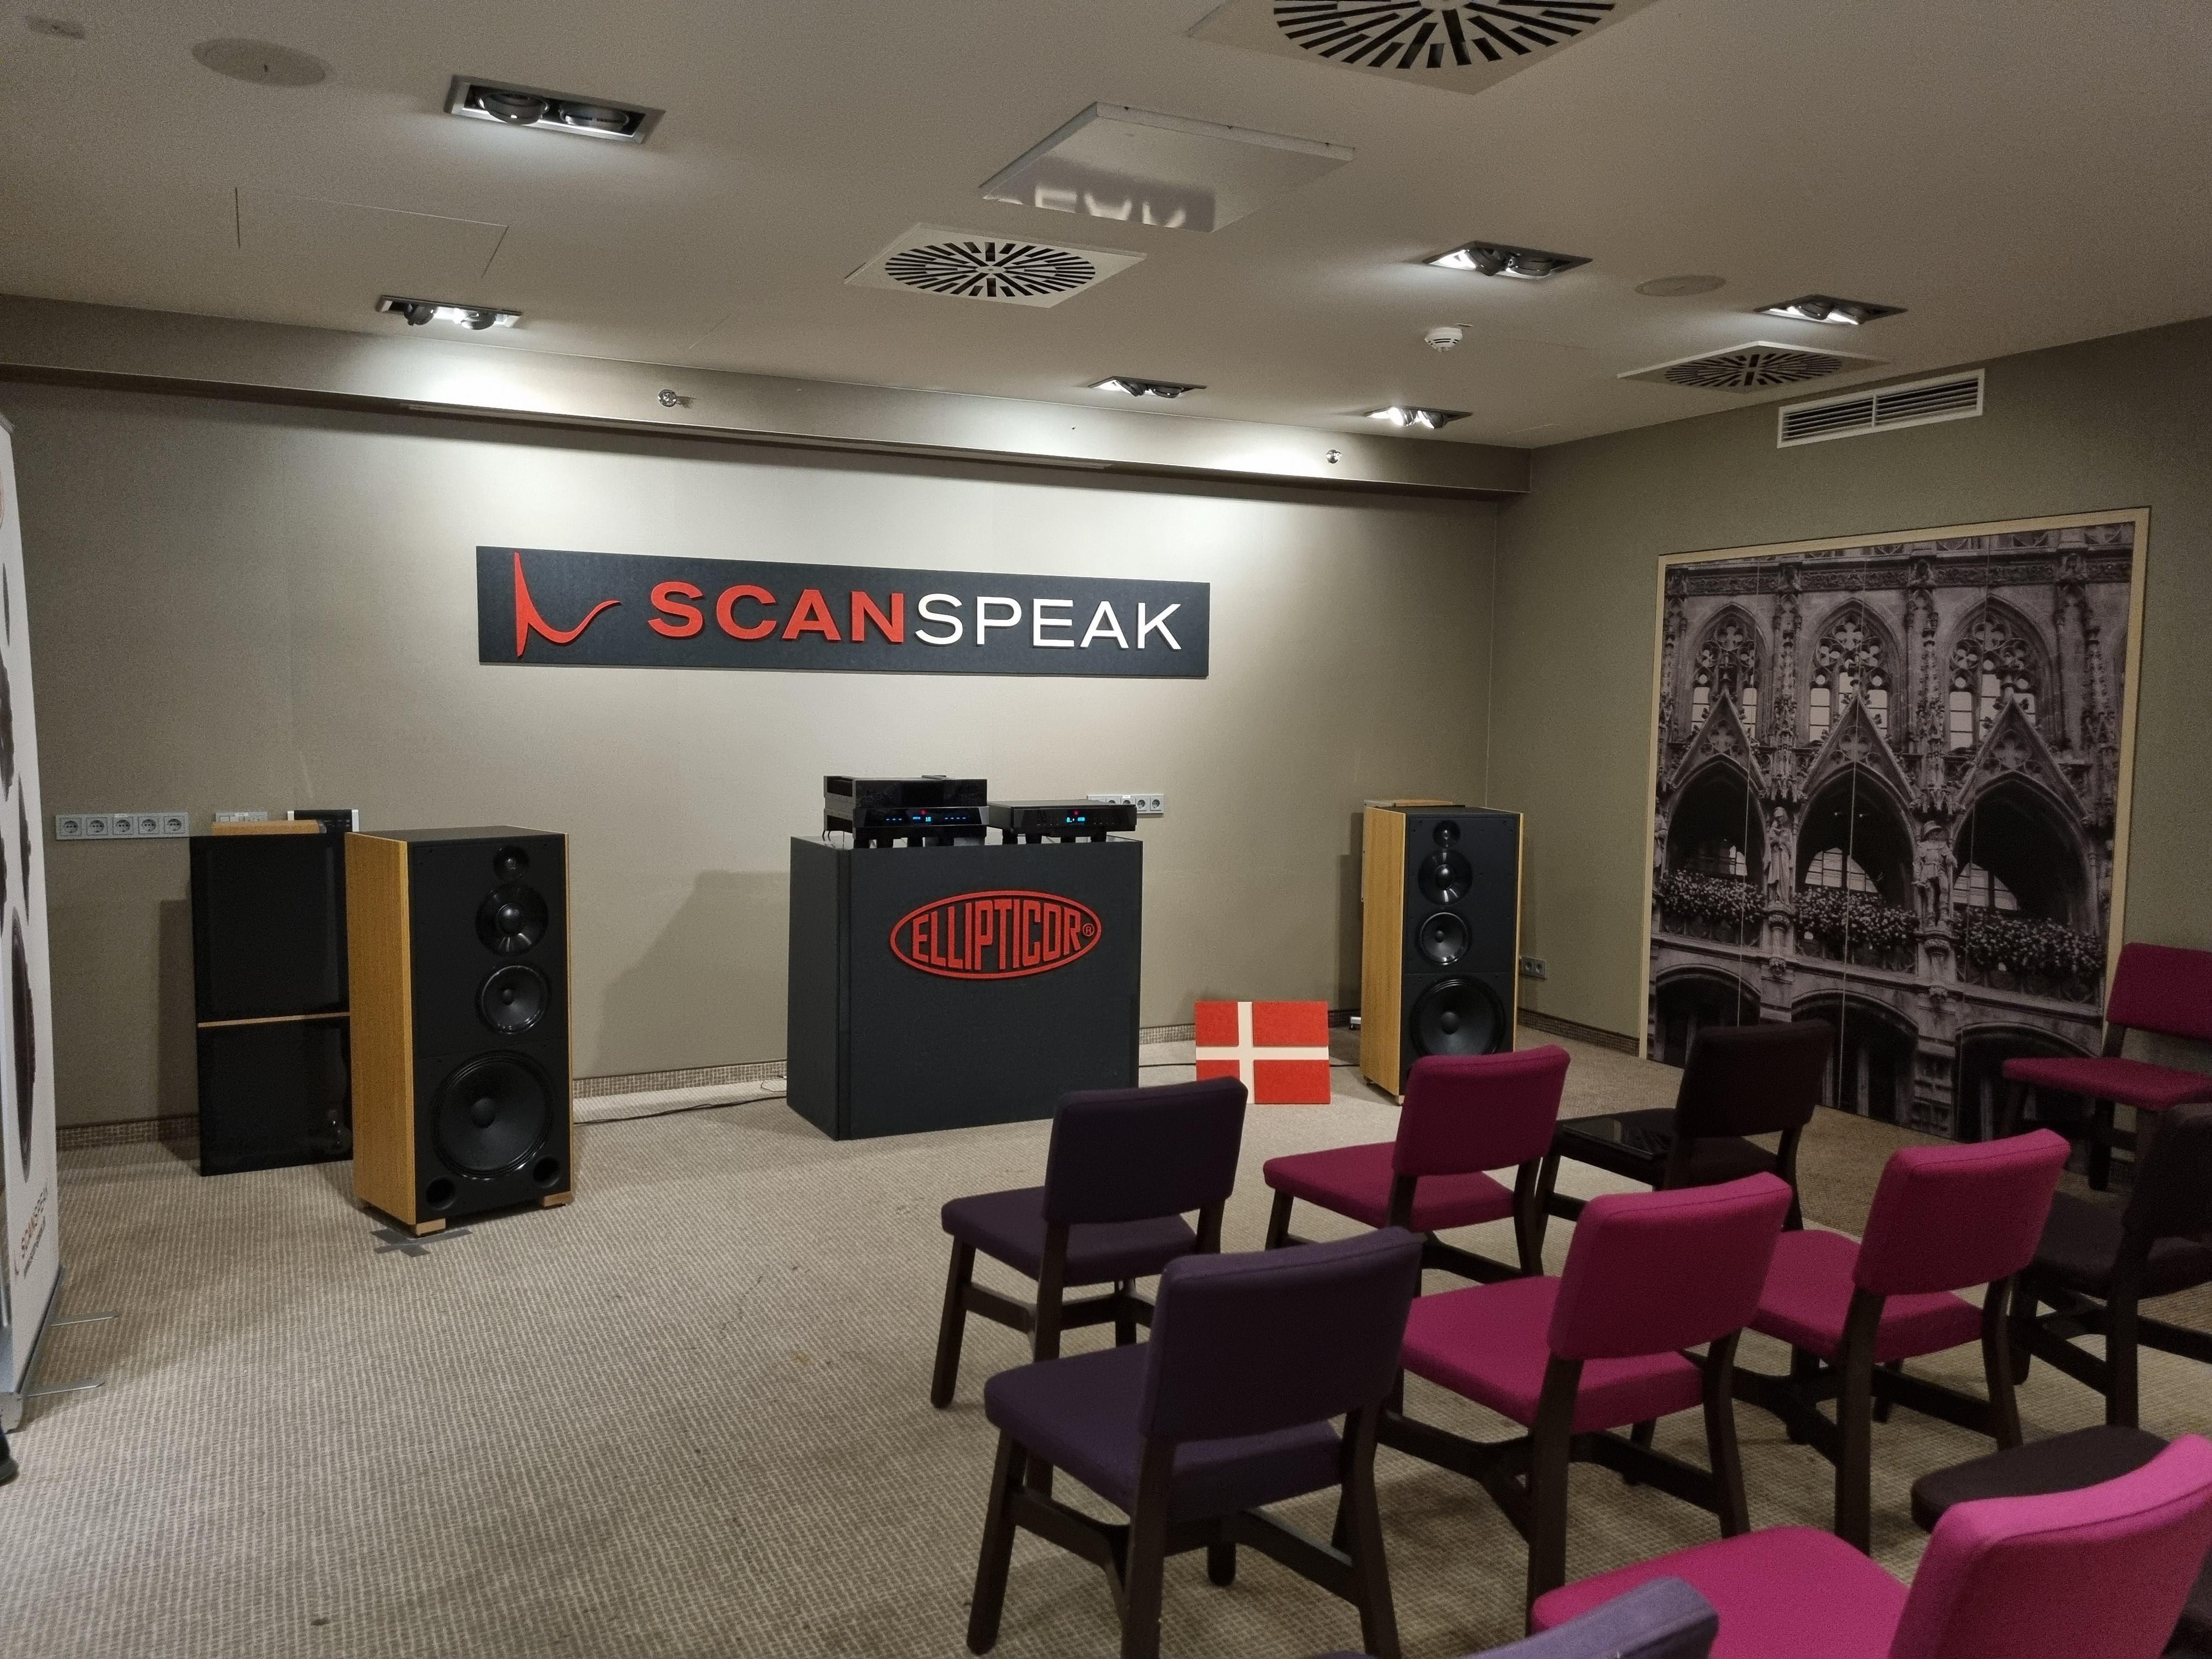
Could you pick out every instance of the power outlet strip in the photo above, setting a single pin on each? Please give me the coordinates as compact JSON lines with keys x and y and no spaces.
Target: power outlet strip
{"x":122,"y":826}
{"x":1149,"y":804}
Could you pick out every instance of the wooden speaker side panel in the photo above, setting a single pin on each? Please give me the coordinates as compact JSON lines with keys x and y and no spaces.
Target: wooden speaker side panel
{"x":383,"y":1025}
{"x":1519,"y":876}
{"x":1382,"y":945}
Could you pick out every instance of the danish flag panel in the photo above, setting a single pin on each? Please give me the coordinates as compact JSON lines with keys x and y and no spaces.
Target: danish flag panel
{"x":1279,"y":1049}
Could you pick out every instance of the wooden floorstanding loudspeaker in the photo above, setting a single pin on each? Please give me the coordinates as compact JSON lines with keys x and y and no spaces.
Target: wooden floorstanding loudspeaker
{"x":458,"y":944}
{"x":1440,"y":934}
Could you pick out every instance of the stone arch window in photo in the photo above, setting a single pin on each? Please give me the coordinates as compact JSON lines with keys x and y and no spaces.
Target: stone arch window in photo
{"x":1889,"y":792}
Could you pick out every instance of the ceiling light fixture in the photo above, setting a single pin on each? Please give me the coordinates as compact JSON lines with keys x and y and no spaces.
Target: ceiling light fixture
{"x":419,"y":312}
{"x":1827,"y":308}
{"x":1137,"y":388}
{"x":557,"y":112}
{"x":1530,"y":264}
{"x":1407,"y":415}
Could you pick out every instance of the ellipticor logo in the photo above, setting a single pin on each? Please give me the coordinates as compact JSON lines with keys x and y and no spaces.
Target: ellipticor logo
{"x":1003,"y":933}
{"x":528,"y":622}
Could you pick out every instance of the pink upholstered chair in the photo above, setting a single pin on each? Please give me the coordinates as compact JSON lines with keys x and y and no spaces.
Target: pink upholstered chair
{"x":1599,"y":1348}
{"x":2156,"y":988}
{"x":2099,"y":1573}
{"x":1463,"y":1115}
{"x":1945,"y":1220}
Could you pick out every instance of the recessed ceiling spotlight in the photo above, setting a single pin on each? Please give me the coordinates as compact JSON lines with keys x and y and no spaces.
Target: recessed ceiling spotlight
{"x":1530,"y":264}
{"x":1137,"y":388}
{"x":1679,"y":287}
{"x":419,"y":312}
{"x":1827,"y":308}
{"x":1407,"y":415}
{"x":260,"y":62}
{"x":554,"y":112}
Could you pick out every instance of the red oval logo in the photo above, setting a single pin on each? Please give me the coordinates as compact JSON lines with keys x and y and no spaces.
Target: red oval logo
{"x":1002,"y":934}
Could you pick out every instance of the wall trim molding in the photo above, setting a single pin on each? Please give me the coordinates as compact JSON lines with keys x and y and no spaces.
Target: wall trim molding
{"x":1596,"y":1035}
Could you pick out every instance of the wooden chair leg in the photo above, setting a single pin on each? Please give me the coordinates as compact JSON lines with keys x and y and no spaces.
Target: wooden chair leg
{"x":1639,"y":1435}
{"x":1997,"y":1363}
{"x":2100,"y":1129}
{"x":1221,"y":1562}
{"x":1125,"y":1313}
{"x":1529,"y":1218}
{"x":1143,"y":1577}
{"x":2122,"y":1348}
{"x":952,"y":1326}
{"x":998,"y":1551}
{"x":1721,"y":1454}
{"x":2019,"y":1320}
{"x":1855,"y":1424}
{"x":1378,"y":1616}
{"x":1881,"y":1402}
{"x":1804,"y":1370}
{"x":1278,"y":1223}
{"x":1551,"y":1446}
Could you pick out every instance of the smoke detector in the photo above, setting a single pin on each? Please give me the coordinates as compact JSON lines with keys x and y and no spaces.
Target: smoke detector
{"x":1753,"y":365}
{"x":974,"y":265}
{"x":1458,"y":46}
{"x":1444,"y":339}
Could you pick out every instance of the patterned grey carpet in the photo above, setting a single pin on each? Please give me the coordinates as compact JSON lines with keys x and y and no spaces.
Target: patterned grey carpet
{"x":686,"y":1415}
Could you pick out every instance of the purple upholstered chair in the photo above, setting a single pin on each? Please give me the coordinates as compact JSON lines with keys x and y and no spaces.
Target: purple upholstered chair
{"x":1659,"y":1618}
{"x":2155,"y":988}
{"x":1125,"y":1166}
{"x":1463,"y":1115}
{"x":2099,"y":1573}
{"x":1225,"y":1410}
{"x":1599,"y":1348}
{"x":1945,"y":1220}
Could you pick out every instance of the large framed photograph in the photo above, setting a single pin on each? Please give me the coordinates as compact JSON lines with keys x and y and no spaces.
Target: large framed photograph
{"x":1890,"y":781}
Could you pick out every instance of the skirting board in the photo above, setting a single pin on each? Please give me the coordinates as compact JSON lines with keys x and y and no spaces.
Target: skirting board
{"x":1596,"y":1035}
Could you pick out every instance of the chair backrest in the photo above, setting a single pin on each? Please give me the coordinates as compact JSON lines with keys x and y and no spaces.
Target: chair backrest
{"x":2173,"y":1197}
{"x":1468,"y":1112}
{"x":1946,"y":1217}
{"x":1134,"y":1154}
{"x":1753,"y":1079}
{"x":2102,"y":1570}
{"x":1275,"y":1339}
{"x":1651,"y":1272}
{"x":2165,"y":988}
{"x":1659,"y":1618}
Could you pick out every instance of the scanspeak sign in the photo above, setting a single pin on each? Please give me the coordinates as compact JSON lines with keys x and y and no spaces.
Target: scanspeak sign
{"x":540,"y":607}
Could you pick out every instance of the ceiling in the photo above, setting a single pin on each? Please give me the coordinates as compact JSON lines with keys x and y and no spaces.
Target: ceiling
{"x":2017,"y":176}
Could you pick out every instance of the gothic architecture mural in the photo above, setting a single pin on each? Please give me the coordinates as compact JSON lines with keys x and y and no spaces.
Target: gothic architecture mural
{"x":1889,"y":796}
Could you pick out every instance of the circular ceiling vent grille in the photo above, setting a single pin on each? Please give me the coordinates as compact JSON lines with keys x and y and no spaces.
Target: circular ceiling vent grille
{"x":1752,"y":368}
{"x":991,"y":270}
{"x":1419,"y":34}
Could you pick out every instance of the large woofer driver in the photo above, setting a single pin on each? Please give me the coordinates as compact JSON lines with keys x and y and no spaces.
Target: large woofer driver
{"x":512,"y":919}
{"x":1444,"y":938}
{"x":1456,"y":1017}
{"x":514,"y":999}
{"x":492,"y":1115}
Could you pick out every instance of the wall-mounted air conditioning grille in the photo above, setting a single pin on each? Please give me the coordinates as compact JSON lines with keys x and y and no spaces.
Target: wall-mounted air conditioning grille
{"x":1917,"y":403}
{"x":970,"y":265}
{"x":1754,"y":366}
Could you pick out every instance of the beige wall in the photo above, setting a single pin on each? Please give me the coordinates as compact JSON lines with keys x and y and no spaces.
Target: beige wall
{"x":235,"y":606}
{"x":2119,"y":422}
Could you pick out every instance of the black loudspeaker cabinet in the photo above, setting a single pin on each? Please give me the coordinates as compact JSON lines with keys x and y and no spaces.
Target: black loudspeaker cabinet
{"x":1441,"y":963}
{"x":269,"y":990}
{"x":461,"y":1075}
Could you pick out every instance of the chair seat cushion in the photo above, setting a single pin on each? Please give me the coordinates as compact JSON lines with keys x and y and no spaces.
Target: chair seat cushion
{"x":1490,"y":1343}
{"x":1081,"y":1414}
{"x":2129,"y":1081}
{"x":1645,"y":1138}
{"x":1355,"y":1182}
{"x":1009,"y":1227}
{"x":1784,"y":1591}
{"x":1808,"y":1292}
{"x":2056,"y":1463}
{"x":2081,"y":1242}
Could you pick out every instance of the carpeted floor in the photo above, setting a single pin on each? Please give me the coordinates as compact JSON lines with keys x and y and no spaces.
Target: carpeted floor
{"x":688,"y":1415}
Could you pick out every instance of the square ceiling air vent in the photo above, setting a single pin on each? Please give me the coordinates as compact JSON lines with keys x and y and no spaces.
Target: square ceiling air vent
{"x":1459,"y":45}
{"x":1916,"y":403}
{"x":1141,"y":167}
{"x":974,"y":265}
{"x":1754,"y":366}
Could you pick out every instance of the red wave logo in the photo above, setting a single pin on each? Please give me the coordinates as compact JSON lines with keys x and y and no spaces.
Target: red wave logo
{"x":528,"y":622}
{"x":1001,"y":933}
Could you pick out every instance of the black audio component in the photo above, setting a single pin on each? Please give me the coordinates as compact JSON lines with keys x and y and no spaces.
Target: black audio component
{"x":1061,"y":820}
{"x":1441,"y":962}
{"x":920,"y":811}
{"x":460,"y":1044}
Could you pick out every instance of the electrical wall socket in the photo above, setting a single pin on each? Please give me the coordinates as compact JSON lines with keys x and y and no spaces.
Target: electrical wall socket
{"x":1532,"y":968}
{"x":1149,"y":804}
{"x":121,"y":826}
{"x":257,"y":816}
